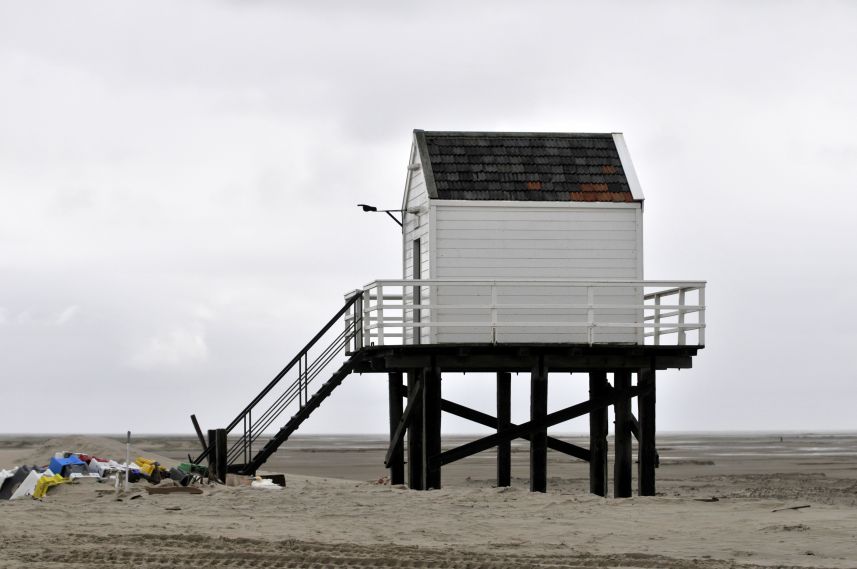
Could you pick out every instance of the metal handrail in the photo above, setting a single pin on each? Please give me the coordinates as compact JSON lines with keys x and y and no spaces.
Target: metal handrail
{"x":289,"y":395}
{"x":297,"y":384}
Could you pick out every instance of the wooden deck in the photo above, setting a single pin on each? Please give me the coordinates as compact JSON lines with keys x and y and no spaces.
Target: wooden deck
{"x":520,"y":357}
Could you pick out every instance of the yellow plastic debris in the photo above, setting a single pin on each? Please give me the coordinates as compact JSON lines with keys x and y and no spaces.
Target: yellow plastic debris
{"x":46,"y":482}
{"x":148,"y":466}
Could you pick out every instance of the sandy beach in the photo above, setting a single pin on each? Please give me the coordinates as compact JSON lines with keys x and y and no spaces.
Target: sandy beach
{"x":336,"y":511}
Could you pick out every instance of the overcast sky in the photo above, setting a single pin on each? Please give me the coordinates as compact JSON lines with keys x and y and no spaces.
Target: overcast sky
{"x":178,"y":180}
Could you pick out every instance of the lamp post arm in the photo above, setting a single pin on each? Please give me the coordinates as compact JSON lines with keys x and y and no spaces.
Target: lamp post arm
{"x":393,"y":217}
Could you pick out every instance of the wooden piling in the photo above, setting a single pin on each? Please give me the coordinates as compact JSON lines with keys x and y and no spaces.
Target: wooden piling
{"x":539,"y":438}
{"x":647,"y":453}
{"x":220,"y":445}
{"x":221,"y":455}
{"x":397,"y":461}
{"x":598,"y":425}
{"x":212,"y":454}
{"x":415,"y":432}
{"x":431,"y":427}
{"x":622,"y":438}
{"x":504,"y":419}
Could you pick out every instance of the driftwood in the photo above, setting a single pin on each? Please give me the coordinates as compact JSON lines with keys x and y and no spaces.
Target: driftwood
{"x":173,"y":490}
{"x":791,"y":508}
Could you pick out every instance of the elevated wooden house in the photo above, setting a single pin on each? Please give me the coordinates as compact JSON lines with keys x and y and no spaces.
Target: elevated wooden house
{"x":521,"y":252}
{"x":564,"y":210}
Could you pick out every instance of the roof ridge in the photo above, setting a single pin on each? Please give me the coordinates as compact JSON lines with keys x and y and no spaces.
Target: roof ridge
{"x":516,"y":134}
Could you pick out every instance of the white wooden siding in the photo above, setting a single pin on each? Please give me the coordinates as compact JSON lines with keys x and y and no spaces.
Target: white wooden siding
{"x":415,"y":226}
{"x":523,"y":240}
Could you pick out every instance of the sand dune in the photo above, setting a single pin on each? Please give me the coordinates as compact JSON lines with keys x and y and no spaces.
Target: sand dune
{"x":39,"y":452}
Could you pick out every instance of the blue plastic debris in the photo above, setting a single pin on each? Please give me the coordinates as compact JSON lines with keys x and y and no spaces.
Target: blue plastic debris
{"x":66,"y":466}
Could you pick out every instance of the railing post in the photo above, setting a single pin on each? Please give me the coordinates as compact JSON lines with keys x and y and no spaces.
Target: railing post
{"x":380,"y":305}
{"x":494,"y":312}
{"x":416,"y":314}
{"x":681,"y":303}
{"x":367,"y":307}
{"x":358,"y":322}
{"x":300,"y":382}
{"x":431,"y":329}
{"x":657,"y":319}
{"x":590,"y":314}
{"x":306,"y":378}
{"x":701,"y":340}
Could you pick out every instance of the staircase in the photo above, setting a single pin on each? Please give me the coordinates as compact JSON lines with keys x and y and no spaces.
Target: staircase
{"x":273,"y":401}
{"x":298,"y":418}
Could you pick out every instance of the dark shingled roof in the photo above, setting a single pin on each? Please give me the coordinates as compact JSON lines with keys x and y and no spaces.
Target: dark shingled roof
{"x":522,"y":166}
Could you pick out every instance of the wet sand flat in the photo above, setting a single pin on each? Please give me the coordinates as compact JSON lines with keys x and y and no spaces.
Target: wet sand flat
{"x":335,"y":513}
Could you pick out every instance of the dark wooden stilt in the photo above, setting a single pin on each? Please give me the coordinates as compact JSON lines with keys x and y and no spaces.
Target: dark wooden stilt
{"x":415,"y":432}
{"x":647,"y":452}
{"x":212,"y":454}
{"x":431,"y":428}
{"x":622,"y":438}
{"x":504,"y":420}
{"x":397,"y":460}
{"x":598,"y":387}
{"x":539,"y":438}
{"x":220,"y":453}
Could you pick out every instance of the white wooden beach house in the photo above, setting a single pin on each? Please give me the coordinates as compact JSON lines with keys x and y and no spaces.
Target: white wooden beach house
{"x":521,"y":252}
{"x":526,"y":238}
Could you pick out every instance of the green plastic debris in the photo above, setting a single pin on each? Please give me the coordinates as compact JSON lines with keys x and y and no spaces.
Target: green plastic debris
{"x":190,"y":468}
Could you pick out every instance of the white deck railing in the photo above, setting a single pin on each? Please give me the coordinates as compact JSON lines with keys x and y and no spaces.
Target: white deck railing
{"x":521,"y":311}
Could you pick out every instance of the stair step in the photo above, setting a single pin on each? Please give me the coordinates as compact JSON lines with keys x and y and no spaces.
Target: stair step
{"x":313,"y":403}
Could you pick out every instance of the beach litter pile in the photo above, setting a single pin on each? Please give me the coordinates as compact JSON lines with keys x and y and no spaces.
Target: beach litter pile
{"x":34,"y":481}
{"x":41,"y":468}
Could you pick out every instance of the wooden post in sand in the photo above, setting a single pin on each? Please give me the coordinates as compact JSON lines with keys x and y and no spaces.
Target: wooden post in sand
{"x":539,"y":437}
{"x":397,"y":464}
{"x":623,"y":450}
{"x":647,"y":452}
{"x":212,"y":454}
{"x":415,"y":432}
{"x":598,"y":387}
{"x":221,"y":455}
{"x":504,"y":419}
{"x":431,"y":427}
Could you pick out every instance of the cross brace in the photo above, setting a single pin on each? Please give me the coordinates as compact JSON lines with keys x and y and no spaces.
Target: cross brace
{"x":549,"y":420}
{"x":489,"y":421}
{"x":635,"y":430}
{"x":399,"y":434}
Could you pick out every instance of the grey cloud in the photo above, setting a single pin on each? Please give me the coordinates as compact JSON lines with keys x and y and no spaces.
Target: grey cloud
{"x":186,"y":175}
